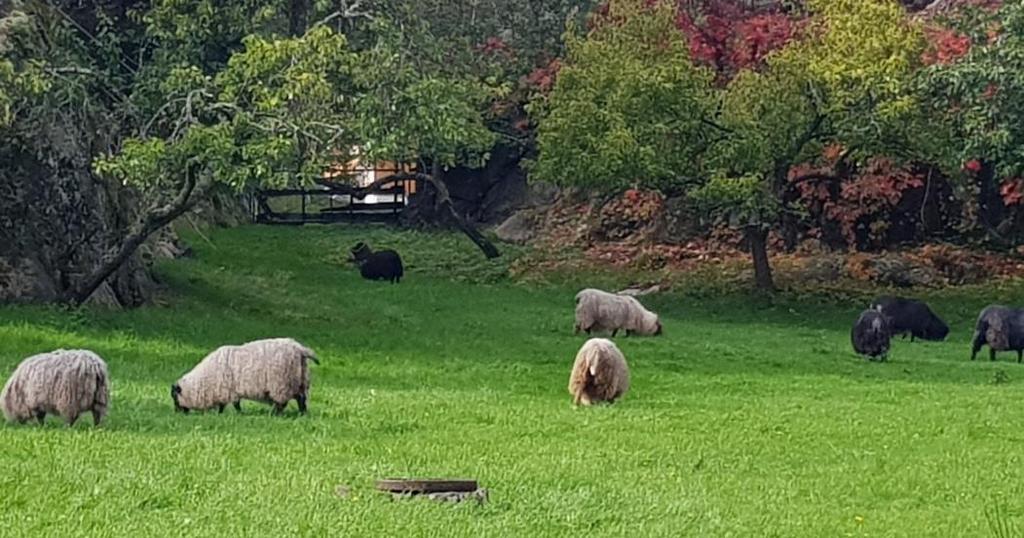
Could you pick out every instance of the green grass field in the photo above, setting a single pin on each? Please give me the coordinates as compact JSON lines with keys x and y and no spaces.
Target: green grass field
{"x":748,"y":418}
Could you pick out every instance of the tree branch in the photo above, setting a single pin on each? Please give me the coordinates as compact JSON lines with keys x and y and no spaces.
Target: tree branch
{"x":349,"y":12}
{"x":154,"y":220}
{"x":71,"y":70}
{"x":712,"y":123}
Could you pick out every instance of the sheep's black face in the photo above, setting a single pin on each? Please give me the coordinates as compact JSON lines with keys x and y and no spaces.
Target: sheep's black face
{"x":360,"y":252}
{"x":936,"y":330}
{"x":175,"y":392}
{"x":657,"y":330}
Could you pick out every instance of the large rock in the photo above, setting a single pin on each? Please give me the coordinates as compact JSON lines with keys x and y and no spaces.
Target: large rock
{"x":25,"y":280}
{"x":519,"y":228}
{"x":541,"y":194}
{"x":58,"y":221}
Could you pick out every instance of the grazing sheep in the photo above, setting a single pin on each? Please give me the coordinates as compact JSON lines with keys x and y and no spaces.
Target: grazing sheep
{"x":1002,"y":329}
{"x":379,"y":265}
{"x":270,"y":371}
{"x":600,"y":373}
{"x":62,"y":382}
{"x":909,"y":316}
{"x":598,"y":310}
{"x":870,"y":335}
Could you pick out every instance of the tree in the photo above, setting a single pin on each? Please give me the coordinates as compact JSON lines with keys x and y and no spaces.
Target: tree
{"x":527,"y":32}
{"x":115,"y":118}
{"x":161,"y":104}
{"x":274,"y":114}
{"x":410,"y":110}
{"x":973,"y":84}
{"x":628,"y":107}
{"x":842,"y":79}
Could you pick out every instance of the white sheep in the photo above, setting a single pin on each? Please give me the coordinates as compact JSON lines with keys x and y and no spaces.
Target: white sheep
{"x":62,"y":382}
{"x":273,"y":371}
{"x":598,"y":310}
{"x":600,"y":373}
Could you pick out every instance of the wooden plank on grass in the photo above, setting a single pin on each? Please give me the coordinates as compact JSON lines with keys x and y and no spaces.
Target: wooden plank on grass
{"x":417,"y":485}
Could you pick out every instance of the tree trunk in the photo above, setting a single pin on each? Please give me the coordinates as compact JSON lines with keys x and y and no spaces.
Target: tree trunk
{"x":990,"y":202}
{"x":757,"y":238}
{"x":150,"y":223}
{"x":443,"y":199}
{"x":297,"y":17}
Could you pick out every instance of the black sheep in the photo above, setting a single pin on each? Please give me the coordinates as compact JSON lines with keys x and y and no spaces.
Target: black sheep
{"x":380,"y":265}
{"x":1002,"y":329}
{"x":870,"y":335}
{"x":911,"y":316}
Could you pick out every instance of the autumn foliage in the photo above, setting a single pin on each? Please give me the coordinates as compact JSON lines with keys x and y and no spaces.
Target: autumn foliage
{"x":728,"y":37}
{"x":725,"y":35}
{"x":859,"y":203}
{"x":542,"y":79}
{"x":945,"y":46}
{"x":1012,"y":191}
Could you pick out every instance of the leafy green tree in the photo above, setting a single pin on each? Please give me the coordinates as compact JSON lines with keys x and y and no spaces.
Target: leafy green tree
{"x":628,"y":107}
{"x":974,"y":89}
{"x":276,"y":114}
{"x":844,"y":80}
{"x":175,"y":100}
{"x":526,"y":33}
{"x":410,"y":110}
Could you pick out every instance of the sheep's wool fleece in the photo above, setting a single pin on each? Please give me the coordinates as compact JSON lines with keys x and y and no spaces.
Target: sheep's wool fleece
{"x":871,"y":333}
{"x":600,"y":373}
{"x":271,"y":370}
{"x":997,"y":321}
{"x":66,"y":382}
{"x":598,"y":310}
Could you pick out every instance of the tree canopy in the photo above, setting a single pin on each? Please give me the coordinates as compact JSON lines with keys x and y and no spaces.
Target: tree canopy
{"x":175,"y":100}
{"x":628,"y":107}
{"x":633,"y":107}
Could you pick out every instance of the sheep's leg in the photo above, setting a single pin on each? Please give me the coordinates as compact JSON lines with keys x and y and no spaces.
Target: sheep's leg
{"x":220,"y":408}
{"x":911,"y":337}
{"x":238,"y":406}
{"x":991,"y":354}
{"x":279,"y":407}
{"x":575,"y":329}
{"x":301,"y":400}
{"x":96,"y":417}
{"x":614,"y":332}
{"x":41,"y":417}
{"x":72,"y":419}
{"x":979,"y":340}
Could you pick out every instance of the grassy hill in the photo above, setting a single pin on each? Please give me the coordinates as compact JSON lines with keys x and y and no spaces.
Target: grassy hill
{"x":749,"y":417}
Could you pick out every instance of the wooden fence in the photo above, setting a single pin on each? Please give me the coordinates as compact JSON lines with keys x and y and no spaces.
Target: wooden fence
{"x":332,"y":203}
